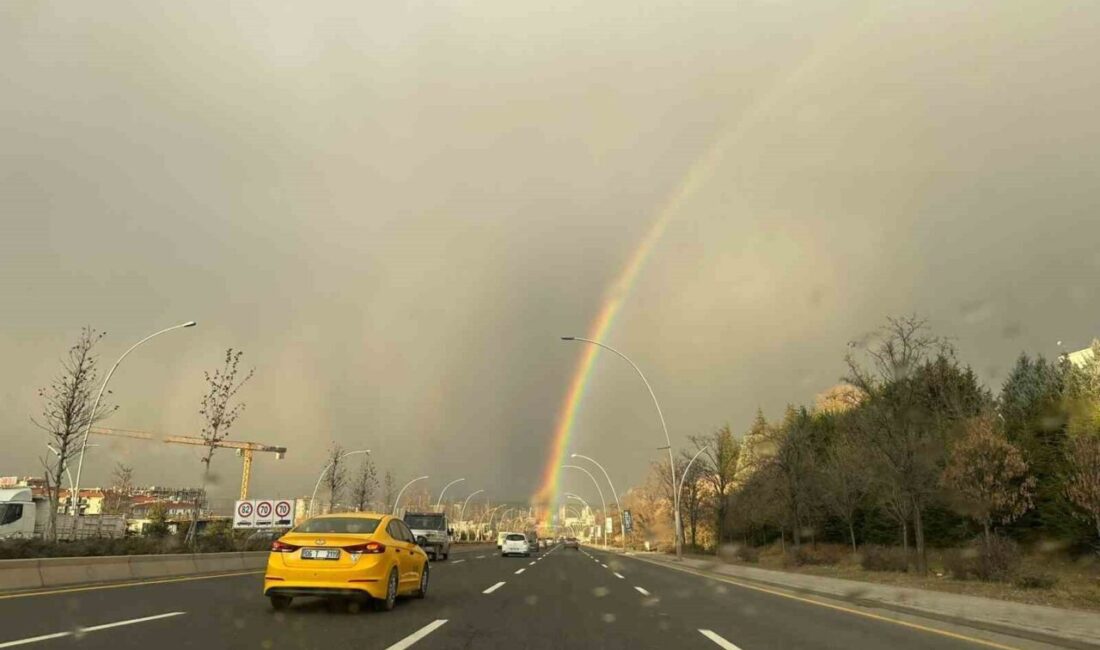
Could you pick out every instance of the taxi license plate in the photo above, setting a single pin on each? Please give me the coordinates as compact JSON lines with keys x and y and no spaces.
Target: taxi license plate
{"x":320,"y":554}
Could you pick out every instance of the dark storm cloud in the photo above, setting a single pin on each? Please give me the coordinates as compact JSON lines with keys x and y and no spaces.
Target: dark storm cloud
{"x":396,"y":211}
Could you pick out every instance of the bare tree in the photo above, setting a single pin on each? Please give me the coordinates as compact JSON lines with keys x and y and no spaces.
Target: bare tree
{"x":1083,"y":487}
{"x":219,"y":413}
{"x":893,"y":427}
{"x":66,"y":413}
{"x":336,"y":477}
{"x":366,"y":483}
{"x":844,"y":482}
{"x":122,"y":487}
{"x":389,"y":491}
{"x":719,"y":470}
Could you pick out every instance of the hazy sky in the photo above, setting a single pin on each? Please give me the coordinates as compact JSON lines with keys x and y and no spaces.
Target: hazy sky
{"x":395,"y":210}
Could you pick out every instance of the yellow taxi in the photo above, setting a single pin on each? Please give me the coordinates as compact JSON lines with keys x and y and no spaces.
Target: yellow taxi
{"x":353,"y":554}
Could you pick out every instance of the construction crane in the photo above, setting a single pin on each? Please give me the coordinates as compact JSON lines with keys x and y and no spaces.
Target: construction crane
{"x":244,"y":449}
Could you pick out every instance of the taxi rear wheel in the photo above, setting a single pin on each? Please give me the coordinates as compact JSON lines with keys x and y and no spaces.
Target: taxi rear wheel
{"x":387,"y":603}
{"x":422,"y":592}
{"x":279,"y":603}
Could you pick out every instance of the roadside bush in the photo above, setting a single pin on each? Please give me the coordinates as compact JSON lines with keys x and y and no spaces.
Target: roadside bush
{"x":998,"y":562}
{"x":883,"y":558}
{"x":1035,"y":581}
{"x":38,"y":548}
{"x":747,"y":554}
{"x":823,"y":555}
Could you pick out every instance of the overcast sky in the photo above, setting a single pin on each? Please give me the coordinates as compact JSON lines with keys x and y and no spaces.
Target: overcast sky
{"x":395,"y":210}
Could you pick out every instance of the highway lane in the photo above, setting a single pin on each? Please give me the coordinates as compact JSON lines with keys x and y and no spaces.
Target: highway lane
{"x":562,"y":598}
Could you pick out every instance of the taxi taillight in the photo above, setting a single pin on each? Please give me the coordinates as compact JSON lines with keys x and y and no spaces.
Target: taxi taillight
{"x":283,"y":547}
{"x":369,"y":547}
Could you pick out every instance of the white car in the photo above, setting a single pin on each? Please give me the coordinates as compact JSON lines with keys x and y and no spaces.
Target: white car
{"x":515,"y":544}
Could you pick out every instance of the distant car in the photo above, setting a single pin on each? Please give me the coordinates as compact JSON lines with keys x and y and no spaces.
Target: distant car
{"x":544,"y":543}
{"x":532,"y":542}
{"x":572,"y":542}
{"x":515,"y":544}
{"x":500,"y":539}
{"x":351,"y":555}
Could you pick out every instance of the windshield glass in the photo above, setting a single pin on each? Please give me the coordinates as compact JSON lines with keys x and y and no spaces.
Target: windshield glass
{"x":339,"y":525}
{"x":425,"y":522}
{"x":516,"y":538}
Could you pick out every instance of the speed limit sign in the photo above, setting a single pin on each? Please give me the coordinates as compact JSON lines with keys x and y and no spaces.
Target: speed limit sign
{"x":243,"y":514}
{"x":284,"y":513}
{"x":264,"y":510}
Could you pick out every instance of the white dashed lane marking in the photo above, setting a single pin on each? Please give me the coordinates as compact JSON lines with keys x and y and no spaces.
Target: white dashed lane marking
{"x":94,"y":628}
{"x":619,"y":576}
{"x":719,"y":641}
{"x":642,"y":591}
{"x":417,"y":635}
{"x":519,"y":571}
{"x":493,"y":588}
{"x":457,"y":561}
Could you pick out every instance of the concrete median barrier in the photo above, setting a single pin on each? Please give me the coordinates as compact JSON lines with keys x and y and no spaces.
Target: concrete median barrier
{"x":19,"y":574}
{"x":71,"y":571}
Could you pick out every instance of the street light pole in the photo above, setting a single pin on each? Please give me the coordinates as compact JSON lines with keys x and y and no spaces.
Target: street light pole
{"x":664,"y":427}
{"x":444,"y":490}
{"x":316,"y":485}
{"x":95,"y":406}
{"x":602,"y":501}
{"x":683,"y":475}
{"x":622,"y":518}
{"x":398,"y":499}
{"x":462,"y":513}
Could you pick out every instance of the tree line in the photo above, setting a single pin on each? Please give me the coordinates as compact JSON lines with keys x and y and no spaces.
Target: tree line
{"x":909,"y":450}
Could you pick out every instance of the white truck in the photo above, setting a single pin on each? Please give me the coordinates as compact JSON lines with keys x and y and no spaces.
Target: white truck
{"x":23,"y":515}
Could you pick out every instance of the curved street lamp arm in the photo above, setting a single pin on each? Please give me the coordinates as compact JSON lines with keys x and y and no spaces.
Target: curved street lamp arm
{"x":398,"y":499}
{"x":99,"y":396}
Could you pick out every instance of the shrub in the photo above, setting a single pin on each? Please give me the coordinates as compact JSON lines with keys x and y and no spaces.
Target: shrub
{"x":822,"y":555}
{"x":1035,"y":581}
{"x":997,"y":562}
{"x":883,"y":558}
{"x":747,"y":554}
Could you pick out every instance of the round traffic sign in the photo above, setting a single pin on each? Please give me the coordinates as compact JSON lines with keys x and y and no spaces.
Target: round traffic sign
{"x":282,"y":508}
{"x":263,"y":509}
{"x":244,"y":509}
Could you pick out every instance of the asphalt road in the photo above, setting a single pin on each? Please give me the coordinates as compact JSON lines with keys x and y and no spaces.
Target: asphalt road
{"x":561,"y":598}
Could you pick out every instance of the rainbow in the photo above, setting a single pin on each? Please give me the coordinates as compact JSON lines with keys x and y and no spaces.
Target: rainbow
{"x":698,"y":175}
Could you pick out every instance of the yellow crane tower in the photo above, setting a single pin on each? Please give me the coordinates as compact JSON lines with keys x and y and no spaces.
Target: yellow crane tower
{"x":244,"y":449}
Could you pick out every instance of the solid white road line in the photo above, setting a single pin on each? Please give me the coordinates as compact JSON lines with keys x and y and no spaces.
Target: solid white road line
{"x":417,"y":635}
{"x":619,"y":575}
{"x":94,"y":628}
{"x":519,"y":571}
{"x":457,"y":561}
{"x":642,"y":591}
{"x":719,"y":641}
{"x":493,"y":588}
{"x":34,"y":639}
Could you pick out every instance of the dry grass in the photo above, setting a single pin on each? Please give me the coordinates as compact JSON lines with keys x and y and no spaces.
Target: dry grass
{"x":1076,"y":583}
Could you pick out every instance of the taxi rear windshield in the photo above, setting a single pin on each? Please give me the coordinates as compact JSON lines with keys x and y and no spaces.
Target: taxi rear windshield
{"x":424,"y":522}
{"x":516,"y":538}
{"x":348,"y":525}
